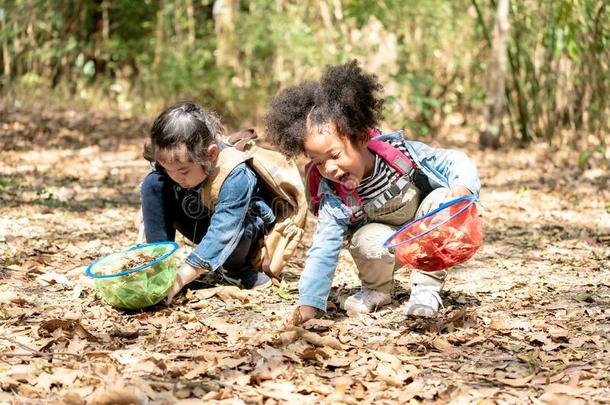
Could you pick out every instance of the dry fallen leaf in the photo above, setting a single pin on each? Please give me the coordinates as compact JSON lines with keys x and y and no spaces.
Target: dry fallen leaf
{"x":516,"y":382}
{"x":389,"y":358}
{"x":225,"y":293}
{"x":119,"y":396}
{"x":316,"y":339}
{"x":440,"y":343}
{"x":69,"y":326}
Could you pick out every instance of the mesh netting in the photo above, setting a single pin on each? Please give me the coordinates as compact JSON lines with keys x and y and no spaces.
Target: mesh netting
{"x":137,"y":277}
{"x":445,"y":237}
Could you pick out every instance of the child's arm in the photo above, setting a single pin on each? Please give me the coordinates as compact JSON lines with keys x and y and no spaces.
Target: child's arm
{"x":447,"y":168}
{"x":226,"y":224}
{"x":317,"y":277}
{"x":225,"y":230}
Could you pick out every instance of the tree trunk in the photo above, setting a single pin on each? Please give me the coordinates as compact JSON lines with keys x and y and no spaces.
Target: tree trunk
{"x":105,"y":20}
{"x":225,"y":15}
{"x":6,"y":56}
{"x":190,"y":15}
{"x":491,"y":129}
{"x":159,"y":34}
{"x":177,"y":24}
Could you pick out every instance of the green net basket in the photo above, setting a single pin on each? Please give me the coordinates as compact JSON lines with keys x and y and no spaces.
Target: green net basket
{"x":137,"y":277}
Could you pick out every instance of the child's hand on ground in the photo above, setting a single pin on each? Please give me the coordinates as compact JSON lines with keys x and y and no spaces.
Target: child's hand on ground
{"x":302,"y":314}
{"x":184,"y":275}
{"x":138,"y":222}
{"x":138,"y":218}
{"x":458,"y":191}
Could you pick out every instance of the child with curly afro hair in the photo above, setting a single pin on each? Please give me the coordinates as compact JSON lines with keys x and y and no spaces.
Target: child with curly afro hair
{"x":363,"y":185}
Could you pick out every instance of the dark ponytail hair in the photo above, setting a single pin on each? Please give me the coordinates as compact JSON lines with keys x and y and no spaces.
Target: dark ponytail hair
{"x":188,"y":124}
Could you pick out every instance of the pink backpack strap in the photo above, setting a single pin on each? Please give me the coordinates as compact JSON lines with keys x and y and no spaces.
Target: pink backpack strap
{"x":395,"y":158}
{"x":313,"y":184}
{"x":349,"y":197}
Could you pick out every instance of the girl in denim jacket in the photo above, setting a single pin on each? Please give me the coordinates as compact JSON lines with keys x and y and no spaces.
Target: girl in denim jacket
{"x":184,"y":148}
{"x":331,"y":121}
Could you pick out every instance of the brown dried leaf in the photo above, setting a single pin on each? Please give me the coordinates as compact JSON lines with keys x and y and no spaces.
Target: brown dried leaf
{"x":389,"y":358}
{"x":200,"y":369}
{"x":225,"y":293}
{"x":72,"y":398}
{"x":319,"y":325}
{"x":516,"y":382}
{"x":119,"y":396}
{"x":440,"y":343}
{"x":70,"y":326}
{"x":316,"y":339}
{"x":500,"y":324}
{"x":561,"y":399}
{"x":229,"y":362}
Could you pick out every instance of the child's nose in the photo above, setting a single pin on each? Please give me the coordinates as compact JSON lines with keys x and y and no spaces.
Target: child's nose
{"x":330,"y":169}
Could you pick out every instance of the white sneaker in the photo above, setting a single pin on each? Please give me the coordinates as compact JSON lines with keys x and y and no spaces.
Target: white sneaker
{"x":366,"y":300}
{"x":423,"y":302}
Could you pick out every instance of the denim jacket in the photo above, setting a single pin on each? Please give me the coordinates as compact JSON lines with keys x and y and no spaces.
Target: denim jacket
{"x":238,"y":195}
{"x":442,"y":167}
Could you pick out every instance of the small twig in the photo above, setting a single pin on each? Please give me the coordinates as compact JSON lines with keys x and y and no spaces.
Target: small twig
{"x":206,"y":386}
{"x":41,"y":354}
{"x":28,"y":348}
{"x":34,"y":352}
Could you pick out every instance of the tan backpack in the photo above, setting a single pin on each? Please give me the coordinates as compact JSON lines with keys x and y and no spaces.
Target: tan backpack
{"x":284,"y":193}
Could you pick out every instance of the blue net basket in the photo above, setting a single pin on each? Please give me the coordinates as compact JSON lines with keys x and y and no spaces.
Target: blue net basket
{"x":443,"y":238}
{"x":137,"y":277}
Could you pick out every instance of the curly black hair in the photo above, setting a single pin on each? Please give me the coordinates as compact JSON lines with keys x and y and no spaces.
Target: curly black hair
{"x":345,"y":96}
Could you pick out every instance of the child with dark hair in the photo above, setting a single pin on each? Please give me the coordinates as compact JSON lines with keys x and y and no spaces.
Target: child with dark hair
{"x":364,"y":185}
{"x":185,"y":150}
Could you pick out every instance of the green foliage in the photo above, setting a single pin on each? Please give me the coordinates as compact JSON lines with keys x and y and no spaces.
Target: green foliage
{"x":431,"y":56}
{"x":282,"y":291}
{"x":586,"y":155}
{"x":8,"y":182}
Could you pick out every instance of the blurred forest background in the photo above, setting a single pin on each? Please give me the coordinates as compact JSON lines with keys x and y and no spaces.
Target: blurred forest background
{"x":517,"y":72}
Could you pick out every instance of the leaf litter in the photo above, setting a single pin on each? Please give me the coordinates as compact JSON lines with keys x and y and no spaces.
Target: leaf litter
{"x":527,"y":320}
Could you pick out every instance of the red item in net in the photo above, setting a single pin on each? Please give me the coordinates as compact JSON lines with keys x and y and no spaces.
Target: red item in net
{"x":445,"y":237}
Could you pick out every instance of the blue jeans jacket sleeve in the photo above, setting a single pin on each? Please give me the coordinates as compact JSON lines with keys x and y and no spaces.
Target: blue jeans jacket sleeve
{"x":445,"y":167}
{"x":317,"y":277}
{"x":226,"y":224}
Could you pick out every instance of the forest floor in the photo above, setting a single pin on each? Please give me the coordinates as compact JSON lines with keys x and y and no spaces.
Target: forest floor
{"x":527,"y":320}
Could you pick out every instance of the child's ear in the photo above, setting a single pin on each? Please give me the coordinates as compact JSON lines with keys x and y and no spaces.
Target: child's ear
{"x":213,"y":151}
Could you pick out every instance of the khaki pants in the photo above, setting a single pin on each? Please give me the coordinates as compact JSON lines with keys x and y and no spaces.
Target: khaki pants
{"x":376,"y":264}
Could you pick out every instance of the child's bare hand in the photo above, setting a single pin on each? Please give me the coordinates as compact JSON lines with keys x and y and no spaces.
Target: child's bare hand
{"x":302,"y":314}
{"x":458,"y":191}
{"x":184,"y":276}
{"x":138,"y":222}
{"x":138,"y":218}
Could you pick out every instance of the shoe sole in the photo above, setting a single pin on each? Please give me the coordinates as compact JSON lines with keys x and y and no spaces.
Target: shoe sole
{"x":422,"y":312}
{"x":263,"y":286}
{"x":374,"y":309}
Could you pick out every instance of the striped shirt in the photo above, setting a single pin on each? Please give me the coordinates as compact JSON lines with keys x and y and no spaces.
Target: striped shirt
{"x":383,"y":175}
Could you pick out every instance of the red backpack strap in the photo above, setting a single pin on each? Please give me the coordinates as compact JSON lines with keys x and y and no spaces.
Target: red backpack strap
{"x":395,"y":158}
{"x":374,"y":133}
{"x":313,"y":185}
{"x":349,"y":197}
